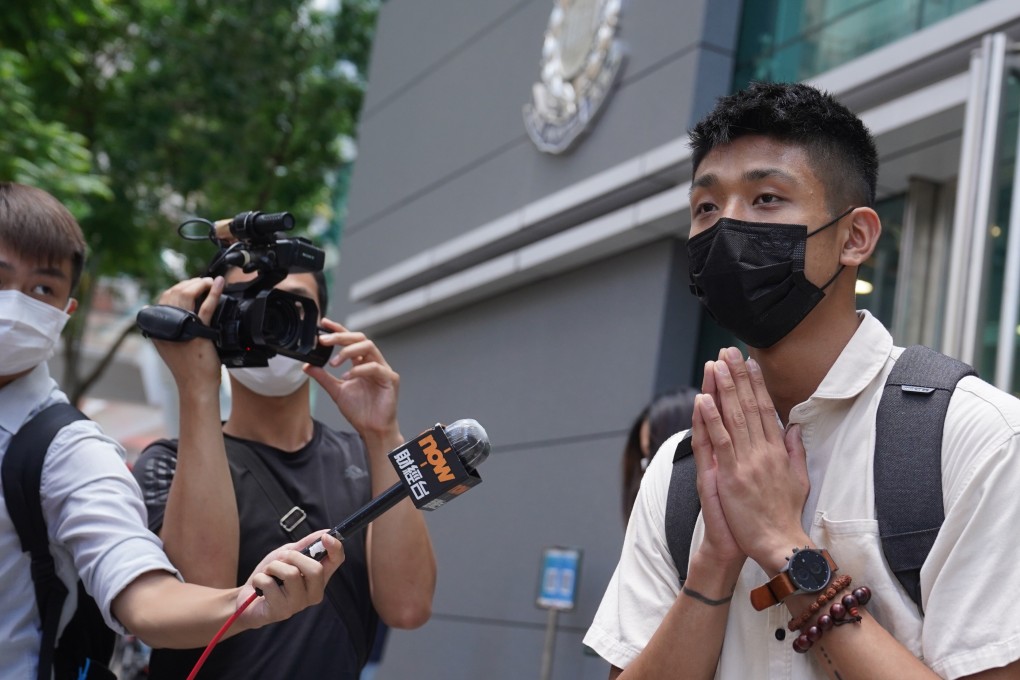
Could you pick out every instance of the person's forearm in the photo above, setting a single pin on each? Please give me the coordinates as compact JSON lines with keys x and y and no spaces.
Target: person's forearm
{"x":691,"y":634}
{"x":163,"y":612}
{"x":402,"y":565}
{"x":201,"y":532}
{"x":851,"y":651}
{"x":863,"y":651}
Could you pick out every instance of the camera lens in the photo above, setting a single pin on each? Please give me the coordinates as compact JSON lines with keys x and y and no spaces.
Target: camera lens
{"x":282,"y":323}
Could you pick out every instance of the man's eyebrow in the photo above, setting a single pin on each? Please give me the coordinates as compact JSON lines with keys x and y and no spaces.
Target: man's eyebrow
{"x":703,"y":182}
{"x":50,"y":271}
{"x":757,"y":174}
{"x":300,"y":290}
{"x":766,"y":173}
{"x":45,"y":271}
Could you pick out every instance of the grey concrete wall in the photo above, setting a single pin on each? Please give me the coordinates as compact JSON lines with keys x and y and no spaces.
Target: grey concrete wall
{"x":555,"y":370}
{"x":443,"y":148}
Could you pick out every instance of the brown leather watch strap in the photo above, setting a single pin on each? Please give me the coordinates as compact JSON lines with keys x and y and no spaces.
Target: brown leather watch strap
{"x":781,"y":586}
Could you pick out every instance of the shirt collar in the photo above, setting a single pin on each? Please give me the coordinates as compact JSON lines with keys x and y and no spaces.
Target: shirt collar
{"x":21,"y":398}
{"x":859,"y":363}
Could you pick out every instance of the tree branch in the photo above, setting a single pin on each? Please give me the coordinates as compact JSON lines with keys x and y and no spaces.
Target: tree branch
{"x":86,"y":383}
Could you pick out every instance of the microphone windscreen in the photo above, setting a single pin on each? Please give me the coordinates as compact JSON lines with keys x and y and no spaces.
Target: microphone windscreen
{"x":469,"y":440}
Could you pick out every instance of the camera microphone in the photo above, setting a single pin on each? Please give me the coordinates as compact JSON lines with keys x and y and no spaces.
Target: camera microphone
{"x":252,"y":225}
{"x":428,"y":475}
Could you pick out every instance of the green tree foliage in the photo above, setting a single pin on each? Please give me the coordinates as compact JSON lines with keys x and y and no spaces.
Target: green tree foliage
{"x":141,"y":113}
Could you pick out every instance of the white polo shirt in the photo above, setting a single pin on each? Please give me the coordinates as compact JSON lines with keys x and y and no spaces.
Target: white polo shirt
{"x":970,"y":582}
{"x":94,"y":516}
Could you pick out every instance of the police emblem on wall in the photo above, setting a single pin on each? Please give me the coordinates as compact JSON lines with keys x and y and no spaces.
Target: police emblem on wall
{"x":581,"y":59}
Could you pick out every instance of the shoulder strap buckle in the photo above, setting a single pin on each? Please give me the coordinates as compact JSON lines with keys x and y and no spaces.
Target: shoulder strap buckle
{"x":292,"y":519}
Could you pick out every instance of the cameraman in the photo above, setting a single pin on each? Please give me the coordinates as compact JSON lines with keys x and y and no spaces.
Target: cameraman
{"x":213,"y":517}
{"x":92,"y":508}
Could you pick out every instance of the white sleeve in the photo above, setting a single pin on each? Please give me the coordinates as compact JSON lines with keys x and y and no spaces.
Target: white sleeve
{"x":94,"y":511}
{"x":970,"y":580}
{"x":646,"y":581}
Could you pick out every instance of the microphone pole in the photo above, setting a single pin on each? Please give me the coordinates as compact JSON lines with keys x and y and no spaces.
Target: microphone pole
{"x":427,"y":475}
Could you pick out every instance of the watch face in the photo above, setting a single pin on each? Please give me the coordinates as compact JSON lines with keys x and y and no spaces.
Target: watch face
{"x":809,"y":570}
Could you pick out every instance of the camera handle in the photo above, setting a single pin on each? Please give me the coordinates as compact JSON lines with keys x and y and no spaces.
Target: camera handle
{"x":165,"y":322}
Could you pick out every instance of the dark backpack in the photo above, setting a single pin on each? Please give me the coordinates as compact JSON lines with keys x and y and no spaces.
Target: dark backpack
{"x":908,"y":488}
{"x":86,"y":644}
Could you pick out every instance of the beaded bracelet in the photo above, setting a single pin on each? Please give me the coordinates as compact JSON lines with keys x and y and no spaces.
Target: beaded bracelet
{"x":840,"y":613}
{"x":837,"y":586}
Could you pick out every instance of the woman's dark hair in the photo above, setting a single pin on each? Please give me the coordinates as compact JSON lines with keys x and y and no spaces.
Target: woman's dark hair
{"x":839,"y":146}
{"x":667,"y":414}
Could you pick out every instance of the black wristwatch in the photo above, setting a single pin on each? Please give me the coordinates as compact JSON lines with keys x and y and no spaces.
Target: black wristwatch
{"x":809,"y":570}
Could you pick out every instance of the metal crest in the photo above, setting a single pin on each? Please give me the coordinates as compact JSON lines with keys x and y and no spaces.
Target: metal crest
{"x":581,"y":59}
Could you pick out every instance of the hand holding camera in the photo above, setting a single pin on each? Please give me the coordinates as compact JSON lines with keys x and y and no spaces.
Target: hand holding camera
{"x":252,"y":321}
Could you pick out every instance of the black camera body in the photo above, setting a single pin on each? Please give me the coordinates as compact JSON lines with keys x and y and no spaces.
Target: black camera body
{"x":253,"y":321}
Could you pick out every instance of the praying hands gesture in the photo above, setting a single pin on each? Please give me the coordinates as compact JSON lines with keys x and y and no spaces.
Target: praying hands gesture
{"x":752,"y":477}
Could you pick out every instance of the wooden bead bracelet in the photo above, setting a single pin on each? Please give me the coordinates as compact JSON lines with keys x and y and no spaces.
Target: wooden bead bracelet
{"x":834,"y":589}
{"x":840,"y":613}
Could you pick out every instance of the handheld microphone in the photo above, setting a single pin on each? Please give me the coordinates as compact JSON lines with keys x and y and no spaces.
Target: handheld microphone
{"x":427,"y":475}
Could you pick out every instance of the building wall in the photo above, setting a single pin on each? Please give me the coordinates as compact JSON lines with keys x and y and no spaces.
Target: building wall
{"x":555,"y":285}
{"x":556,"y":368}
{"x":443,"y":148}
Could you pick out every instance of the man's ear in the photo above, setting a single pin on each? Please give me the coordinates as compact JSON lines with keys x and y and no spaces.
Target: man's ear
{"x":72,"y":305}
{"x":861,"y":237}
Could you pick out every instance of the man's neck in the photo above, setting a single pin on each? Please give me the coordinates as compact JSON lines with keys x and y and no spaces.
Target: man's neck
{"x":284,"y":423}
{"x":794,"y":367}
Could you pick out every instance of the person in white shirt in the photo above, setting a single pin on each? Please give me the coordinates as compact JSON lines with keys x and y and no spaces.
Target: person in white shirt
{"x":782,"y":217}
{"x":92,"y":506}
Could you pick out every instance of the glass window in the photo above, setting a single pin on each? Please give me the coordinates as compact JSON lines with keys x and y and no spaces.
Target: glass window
{"x":876,"y":278}
{"x":792,"y":40}
{"x":995,"y":264}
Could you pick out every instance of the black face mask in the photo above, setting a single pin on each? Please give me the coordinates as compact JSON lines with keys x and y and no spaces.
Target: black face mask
{"x":750,"y":277}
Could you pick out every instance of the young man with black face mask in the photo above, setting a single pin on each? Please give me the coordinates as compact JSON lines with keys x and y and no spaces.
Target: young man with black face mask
{"x":782,"y":216}
{"x":212,"y":510}
{"x":91,"y":506}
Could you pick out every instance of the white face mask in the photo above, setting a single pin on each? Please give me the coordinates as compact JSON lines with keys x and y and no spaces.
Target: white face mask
{"x":28,"y":331}
{"x":281,"y":377}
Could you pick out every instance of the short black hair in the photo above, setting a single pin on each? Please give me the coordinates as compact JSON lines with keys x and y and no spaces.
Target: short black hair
{"x":36,"y":226}
{"x":323,"y":291}
{"x":839,"y":146}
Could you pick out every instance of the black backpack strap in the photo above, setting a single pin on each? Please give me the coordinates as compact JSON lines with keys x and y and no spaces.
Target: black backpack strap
{"x":22,"y":475}
{"x":682,"y":505}
{"x":291,"y":515}
{"x":908,"y":488}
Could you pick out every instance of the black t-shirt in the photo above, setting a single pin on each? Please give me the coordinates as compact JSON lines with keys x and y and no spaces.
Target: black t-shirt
{"x":329,"y":480}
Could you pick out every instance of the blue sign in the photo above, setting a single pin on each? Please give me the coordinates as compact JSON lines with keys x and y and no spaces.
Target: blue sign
{"x":557,"y":588}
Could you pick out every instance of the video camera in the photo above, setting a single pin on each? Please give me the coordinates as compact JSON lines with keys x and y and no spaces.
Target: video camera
{"x":253,"y":320}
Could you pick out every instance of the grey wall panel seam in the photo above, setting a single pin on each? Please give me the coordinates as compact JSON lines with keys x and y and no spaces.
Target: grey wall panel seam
{"x":403,"y":202}
{"x":424,"y":191}
{"x":431,"y":68}
{"x":629,"y":78}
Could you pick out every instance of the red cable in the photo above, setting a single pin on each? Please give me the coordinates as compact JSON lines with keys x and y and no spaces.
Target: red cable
{"x":216,"y":638}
